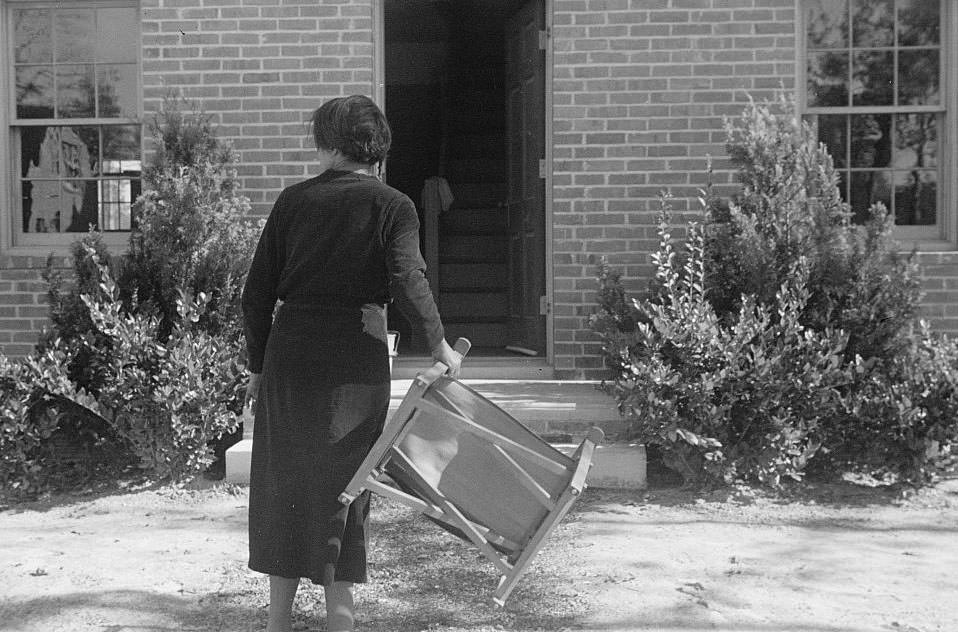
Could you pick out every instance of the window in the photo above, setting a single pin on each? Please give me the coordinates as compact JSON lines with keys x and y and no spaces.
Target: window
{"x":75,"y":132}
{"x":875,"y":92}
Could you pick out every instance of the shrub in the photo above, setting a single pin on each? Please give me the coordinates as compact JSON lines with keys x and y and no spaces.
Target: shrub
{"x":168,"y":396}
{"x":192,"y":231}
{"x":784,"y":336}
{"x":790,"y":208}
{"x":720,"y":397}
{"x":34,"y":394}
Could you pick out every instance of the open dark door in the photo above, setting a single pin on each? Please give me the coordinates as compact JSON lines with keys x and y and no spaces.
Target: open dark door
{"x":525,"y":201}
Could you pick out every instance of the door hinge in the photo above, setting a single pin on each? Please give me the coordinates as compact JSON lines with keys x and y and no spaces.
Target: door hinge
{"x":542,"y":167}
{"x":544,"y":306}
{"x":544,"y":36}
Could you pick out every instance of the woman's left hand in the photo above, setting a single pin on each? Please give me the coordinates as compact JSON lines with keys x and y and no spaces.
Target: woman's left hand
{"x":252,"y":389}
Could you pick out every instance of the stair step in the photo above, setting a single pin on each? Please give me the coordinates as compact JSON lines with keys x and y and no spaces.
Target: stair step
{"x":547,"y":407}
{"x":478,"y":194}
{"x":472,"y":276}
{"x":466,"y":249}
{"x":478,"y":145}
{"x":468,"y":306}
{"x":465,"y":169}
{"x":461,"y":219}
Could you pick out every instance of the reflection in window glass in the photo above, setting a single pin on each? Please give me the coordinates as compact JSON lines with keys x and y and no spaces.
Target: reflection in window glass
{"x":868,"y":188}
{"x":871,"y":140}
{"x":75,"y":91}
{"x":116,"y":90}
{"x":919,"y":22}
{"x":117,"y":34}
{"x":32,"y":43}
{"x":873,"y":78}
{"x":74,"y":35}
{"x":918,"y":77}
{"x":916,"y":197}
{"x":827,"y":79}
{"x":833,"y":131}
{"x":34,"y":86}
{"x":873,"y":23}
{"x":827,"y":24}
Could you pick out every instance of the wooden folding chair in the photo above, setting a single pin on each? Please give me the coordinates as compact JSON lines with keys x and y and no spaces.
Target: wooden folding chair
{"x":469,"y":466}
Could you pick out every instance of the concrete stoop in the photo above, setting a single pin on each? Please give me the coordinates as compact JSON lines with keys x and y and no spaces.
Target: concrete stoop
{"x":560,"y":411}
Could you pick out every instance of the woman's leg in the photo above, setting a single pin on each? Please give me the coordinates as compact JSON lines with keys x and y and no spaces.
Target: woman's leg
{"x":282,"y":591}
{"x":339,"y":607}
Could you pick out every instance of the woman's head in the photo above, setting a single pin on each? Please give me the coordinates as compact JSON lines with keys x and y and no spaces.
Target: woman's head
{"x":355,"y":126}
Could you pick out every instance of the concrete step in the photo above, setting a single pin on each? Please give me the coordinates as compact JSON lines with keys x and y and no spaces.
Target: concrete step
{"x":476,"y":367}
{"x":553,"y":409}
{"x":560,"y":411}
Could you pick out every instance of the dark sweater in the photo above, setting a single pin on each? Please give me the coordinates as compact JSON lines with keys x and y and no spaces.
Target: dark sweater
{"x":339,"y":238}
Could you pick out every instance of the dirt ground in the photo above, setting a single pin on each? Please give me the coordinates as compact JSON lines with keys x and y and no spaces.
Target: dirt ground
{"x":841,"y":558}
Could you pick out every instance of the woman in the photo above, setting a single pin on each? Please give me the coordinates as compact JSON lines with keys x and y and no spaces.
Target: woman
{"x":335,"y":250}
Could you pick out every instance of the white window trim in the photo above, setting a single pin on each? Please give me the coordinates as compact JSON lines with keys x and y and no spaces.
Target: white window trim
{"x":948,"y":142}
{"x":12,"y":240}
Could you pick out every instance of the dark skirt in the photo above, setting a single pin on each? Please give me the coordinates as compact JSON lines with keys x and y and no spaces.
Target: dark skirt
{"x":322,"y":404}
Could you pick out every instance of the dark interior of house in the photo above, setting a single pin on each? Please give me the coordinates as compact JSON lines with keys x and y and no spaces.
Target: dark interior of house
{"x":445,"y":99}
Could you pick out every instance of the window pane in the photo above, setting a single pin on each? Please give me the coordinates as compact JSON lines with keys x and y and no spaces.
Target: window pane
{"x":79,"y":206}
{"x":918,"y":77}
{"x":867,"y":188}
{"x":873,"y":78}
{"x":827,"y":24}
{"x":873,"y":23}
{"x":80,"y":151}
{"x":41,"y":206}
{"x":75,"y":91}
{"x":116,"y":90}
{"x":117,"y":34}
{"x":34,"y":92}
{"x":121,"y":149}
{"x":31,"y":36}
{"x":918,"y":22}
{"x":916,"y":140}
{"x":871,"y":140}
{"x":75,"y":35}
{"x":828,"y":79}
{"x":39,"y":152}
{"x":916,"y":197}
{"x":116,"y":196}
{"x":833,"y":131}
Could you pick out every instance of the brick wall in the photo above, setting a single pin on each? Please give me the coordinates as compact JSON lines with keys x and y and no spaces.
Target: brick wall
{"x":259,"y":68}
{"x":23,"y":304}
{"x":940,"y":283}
{"x":640,"y":90}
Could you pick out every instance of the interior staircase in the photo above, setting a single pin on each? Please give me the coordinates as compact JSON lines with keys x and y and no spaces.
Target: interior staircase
{"x":473,"y":264}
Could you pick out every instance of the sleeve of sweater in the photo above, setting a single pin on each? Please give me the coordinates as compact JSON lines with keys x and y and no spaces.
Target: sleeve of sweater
{"x":406,"y":269}
{"x":259,"y":292}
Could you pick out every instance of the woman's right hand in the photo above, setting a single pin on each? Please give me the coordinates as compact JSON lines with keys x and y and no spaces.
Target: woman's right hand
{"x":252,"y":389}
{"x":448,"y":356}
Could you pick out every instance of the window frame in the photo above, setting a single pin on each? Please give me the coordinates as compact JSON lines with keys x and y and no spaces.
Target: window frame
{"x":944,"y":236}
{"x":12,"y":238}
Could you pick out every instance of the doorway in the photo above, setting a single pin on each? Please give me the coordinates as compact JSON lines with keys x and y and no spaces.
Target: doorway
{"x":465,"y":93}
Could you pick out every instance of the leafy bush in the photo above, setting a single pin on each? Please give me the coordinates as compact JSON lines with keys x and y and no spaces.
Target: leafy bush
{"x":784,"y":336}
{"x":168,"y":396}
{"x":720,"y":396}
{"x":790,"y":208}
{"x":192,"y":230}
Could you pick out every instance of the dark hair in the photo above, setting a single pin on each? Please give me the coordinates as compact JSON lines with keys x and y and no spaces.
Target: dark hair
{"x":355,"y":126}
